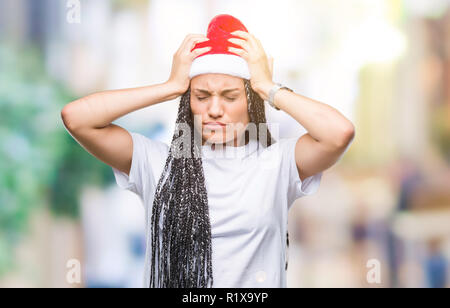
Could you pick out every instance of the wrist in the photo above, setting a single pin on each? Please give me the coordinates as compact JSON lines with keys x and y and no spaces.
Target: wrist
{"x":174,"y":89}
{"x":264,"y":89}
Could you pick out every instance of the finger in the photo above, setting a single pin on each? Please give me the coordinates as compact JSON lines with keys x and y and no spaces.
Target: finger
{"x":189,"y":36}
{"x":241,"y":43}
{"x":188,"y":40}
{"x":195,"y":41}
{"x":240,"y":33}
{"x":239,"y":52}
{"x":250,"y":38}
{"x":194,"y":35}
{"x":200,"y":51}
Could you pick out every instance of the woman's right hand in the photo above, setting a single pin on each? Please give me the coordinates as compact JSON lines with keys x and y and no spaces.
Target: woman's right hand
{"x":182,"y":60}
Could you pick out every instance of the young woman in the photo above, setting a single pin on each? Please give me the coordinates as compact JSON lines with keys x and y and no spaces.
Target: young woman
{"x":217,"y":199}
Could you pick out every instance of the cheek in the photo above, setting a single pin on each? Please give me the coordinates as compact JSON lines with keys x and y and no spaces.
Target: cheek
{"x":198,"y":112}
{"x":238,"y":112}
{"x":198,"y":109}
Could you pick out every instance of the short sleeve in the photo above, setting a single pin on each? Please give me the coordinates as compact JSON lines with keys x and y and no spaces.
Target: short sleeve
{"x":296,"y":187}
{"x":147,"y":163}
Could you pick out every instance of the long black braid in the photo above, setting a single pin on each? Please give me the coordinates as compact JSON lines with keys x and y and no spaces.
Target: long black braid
{"x":181,"y":231}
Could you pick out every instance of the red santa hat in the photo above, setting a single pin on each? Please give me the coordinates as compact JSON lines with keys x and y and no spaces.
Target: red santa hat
{"x":219,"y":59}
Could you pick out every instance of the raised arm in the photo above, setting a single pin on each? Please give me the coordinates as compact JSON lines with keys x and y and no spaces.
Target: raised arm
{"x":89,"y":119}
{"x":329,"y":132}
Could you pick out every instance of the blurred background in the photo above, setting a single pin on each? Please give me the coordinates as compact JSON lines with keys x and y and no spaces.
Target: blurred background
{"x":384,"y":64}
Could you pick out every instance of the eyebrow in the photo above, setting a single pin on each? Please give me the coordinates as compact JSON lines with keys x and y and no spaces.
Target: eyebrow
{"x":223,"y":92}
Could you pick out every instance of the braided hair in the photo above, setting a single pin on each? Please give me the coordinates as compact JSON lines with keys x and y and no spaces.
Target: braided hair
{"x":181,"y":230}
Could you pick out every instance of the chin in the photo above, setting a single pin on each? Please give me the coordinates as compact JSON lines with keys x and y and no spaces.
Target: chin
{"x":216,"y":138}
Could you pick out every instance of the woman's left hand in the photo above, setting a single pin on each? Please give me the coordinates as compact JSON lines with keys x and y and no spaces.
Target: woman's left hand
{"x":260,"y":66}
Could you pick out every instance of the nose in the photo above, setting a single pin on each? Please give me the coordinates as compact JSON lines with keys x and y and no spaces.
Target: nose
{"x":215,"y":108}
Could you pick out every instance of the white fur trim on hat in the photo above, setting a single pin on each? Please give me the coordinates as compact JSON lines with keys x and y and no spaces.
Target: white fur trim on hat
{"x":220,"y":63}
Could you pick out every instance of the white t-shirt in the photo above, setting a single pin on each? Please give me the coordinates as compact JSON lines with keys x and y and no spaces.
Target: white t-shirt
{"x":250,"y":190}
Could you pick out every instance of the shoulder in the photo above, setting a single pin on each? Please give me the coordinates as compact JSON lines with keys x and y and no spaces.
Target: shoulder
{"x":151,"y":152}
{"x":279,"y":154}
{"x":142,"y":142}
{"x":283,"y":145}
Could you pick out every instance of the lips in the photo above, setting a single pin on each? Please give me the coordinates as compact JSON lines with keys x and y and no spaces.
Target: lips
{"x":214,"y":125}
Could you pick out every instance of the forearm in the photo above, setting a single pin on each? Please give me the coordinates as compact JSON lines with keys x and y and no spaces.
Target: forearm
{"x":100,"y":109}
{"x":323,"y":122}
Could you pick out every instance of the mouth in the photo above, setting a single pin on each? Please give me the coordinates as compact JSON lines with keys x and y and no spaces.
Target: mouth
{"x":214,"y":125}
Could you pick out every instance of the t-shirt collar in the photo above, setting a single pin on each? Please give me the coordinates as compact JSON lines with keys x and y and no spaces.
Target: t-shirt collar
{"x":229,"y":152}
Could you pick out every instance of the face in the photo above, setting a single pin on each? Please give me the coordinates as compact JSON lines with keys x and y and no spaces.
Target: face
{"x":219,"y":107}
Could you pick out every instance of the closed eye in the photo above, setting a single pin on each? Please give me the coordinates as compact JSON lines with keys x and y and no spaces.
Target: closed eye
{"x":228,"y":98}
